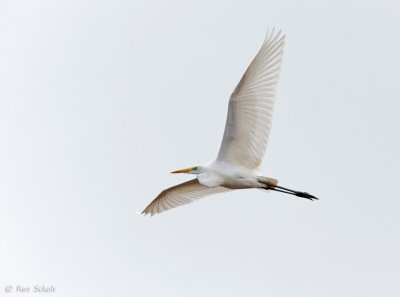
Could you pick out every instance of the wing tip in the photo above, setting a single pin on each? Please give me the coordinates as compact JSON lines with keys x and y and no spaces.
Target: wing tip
{"x":146,"y":211}
{"x":150,"y":210}
{"x":271,"y":35}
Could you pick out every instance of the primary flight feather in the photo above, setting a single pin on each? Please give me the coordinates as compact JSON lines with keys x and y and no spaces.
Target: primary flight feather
{"x":243,"y":146}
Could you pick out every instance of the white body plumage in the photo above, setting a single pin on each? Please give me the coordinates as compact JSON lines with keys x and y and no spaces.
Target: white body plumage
{"x":228,"y":175}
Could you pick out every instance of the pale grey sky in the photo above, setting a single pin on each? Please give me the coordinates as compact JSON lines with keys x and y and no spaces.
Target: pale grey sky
{"x":100,"y":100}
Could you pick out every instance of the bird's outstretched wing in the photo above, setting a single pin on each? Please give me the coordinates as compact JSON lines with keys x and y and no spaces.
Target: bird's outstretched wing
{"x":251,"y":105}
{"x":179,"y":195}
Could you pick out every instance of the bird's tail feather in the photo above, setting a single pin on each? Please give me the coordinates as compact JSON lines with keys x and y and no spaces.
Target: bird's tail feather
{"x":268,"y":180}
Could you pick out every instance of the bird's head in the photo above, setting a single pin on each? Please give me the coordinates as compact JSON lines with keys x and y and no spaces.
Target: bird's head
{"x":192,"y":170}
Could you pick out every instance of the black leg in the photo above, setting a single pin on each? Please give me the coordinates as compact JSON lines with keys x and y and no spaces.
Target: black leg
{"x":288,"y":191}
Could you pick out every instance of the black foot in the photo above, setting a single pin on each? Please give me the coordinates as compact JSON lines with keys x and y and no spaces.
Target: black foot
{"x":306,"y":195}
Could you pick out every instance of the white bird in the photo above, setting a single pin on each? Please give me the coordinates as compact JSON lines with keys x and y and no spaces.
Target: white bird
{"x":248,"y":125}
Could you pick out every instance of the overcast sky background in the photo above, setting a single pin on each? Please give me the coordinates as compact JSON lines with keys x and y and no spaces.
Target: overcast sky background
{"x":100,"y":100}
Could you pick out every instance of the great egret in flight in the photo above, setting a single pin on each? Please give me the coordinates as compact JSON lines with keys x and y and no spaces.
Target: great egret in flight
{"x":248,"y":125}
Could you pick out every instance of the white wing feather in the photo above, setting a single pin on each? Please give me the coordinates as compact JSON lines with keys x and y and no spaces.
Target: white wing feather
{"x":179,"y":195}
{"x":251,"y":105}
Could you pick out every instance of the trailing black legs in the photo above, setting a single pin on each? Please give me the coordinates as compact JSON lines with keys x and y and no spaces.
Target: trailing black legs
{"x":270,"y":186}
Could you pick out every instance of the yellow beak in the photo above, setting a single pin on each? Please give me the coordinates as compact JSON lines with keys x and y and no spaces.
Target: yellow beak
{"x":183,"y":170}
